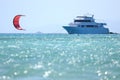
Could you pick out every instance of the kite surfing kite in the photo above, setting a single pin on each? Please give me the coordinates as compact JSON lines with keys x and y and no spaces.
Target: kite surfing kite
{"x":16,"y":22}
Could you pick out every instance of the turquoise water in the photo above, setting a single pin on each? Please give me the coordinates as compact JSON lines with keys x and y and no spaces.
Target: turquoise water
{"x":59,"y":57}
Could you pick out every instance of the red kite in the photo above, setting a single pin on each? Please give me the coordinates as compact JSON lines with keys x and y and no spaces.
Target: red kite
{"x":16,"y":22}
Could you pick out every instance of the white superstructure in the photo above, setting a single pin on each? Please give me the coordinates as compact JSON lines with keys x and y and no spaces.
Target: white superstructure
{"x":86,"y":25}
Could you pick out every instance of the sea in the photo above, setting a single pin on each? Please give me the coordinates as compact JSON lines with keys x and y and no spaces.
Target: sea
{"x":59,"y":57}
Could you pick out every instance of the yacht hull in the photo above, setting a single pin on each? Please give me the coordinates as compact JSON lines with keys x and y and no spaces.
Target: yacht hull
{"x":86,"y":30}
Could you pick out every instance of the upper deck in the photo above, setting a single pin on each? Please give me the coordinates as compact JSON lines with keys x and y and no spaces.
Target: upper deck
{"x":84,"y":19}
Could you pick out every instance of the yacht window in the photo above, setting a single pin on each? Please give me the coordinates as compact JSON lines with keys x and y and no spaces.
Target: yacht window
{"x":82,"y":21}
{"x":89,"y":25}
{"x":82,"y":25}
{"x":95,"y":26}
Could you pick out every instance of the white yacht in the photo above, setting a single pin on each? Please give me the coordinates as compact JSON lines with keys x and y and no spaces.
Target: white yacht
{"x":86,"y":25}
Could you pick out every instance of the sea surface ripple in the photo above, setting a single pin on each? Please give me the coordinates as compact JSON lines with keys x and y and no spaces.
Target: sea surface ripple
{"x":59,"y":57}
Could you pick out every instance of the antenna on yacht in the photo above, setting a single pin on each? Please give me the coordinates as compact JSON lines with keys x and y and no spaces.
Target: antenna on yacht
{"x":89,"y":14}
{"x":92,"y":16}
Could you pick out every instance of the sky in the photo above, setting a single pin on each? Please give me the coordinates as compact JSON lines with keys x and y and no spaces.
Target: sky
{"x":48,"y":16}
